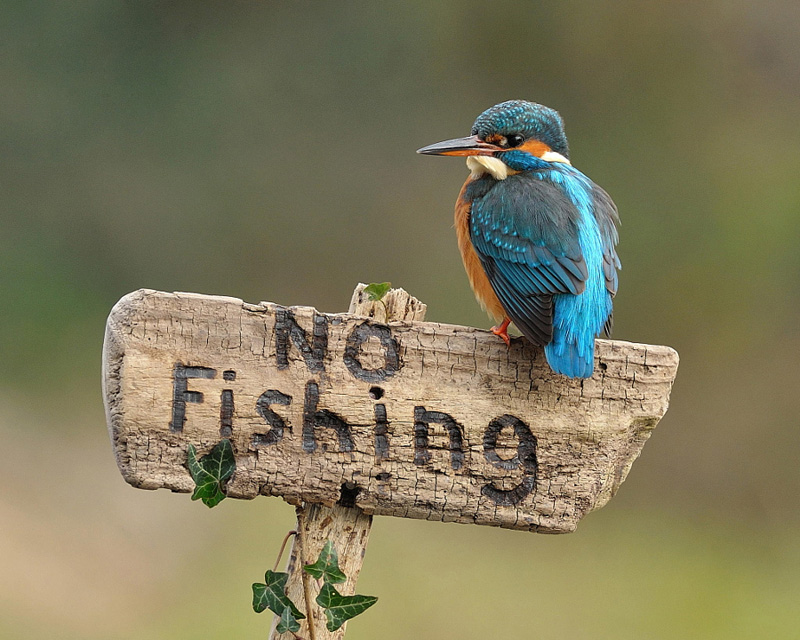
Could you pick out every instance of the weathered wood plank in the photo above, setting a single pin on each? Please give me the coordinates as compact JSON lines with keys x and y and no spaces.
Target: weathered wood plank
{"x":412,"y":419}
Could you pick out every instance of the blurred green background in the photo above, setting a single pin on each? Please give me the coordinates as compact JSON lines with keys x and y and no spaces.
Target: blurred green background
{"x":266,"y":151}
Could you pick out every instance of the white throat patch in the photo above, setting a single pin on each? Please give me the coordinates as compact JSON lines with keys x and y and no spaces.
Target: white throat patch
{"x":486,"y":164}
{"x":554,"y":156}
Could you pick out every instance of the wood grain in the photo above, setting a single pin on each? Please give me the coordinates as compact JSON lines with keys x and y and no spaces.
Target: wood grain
{"x":411,"y":419}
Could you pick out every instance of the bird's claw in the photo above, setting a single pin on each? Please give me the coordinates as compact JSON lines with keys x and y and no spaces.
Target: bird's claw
{"x":502,"y":331}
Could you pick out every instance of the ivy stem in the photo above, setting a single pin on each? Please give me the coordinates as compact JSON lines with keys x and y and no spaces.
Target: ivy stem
{"x":301,"y":537}
{"x":283,"y":546}
{"x":385,"y":310}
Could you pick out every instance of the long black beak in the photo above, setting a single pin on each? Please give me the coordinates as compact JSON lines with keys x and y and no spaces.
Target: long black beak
{"x":471,"y":146}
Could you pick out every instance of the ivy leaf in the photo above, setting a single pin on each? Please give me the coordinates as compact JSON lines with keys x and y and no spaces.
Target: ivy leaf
{"x":272,"y":595}
{"x":376,"y":290}
{"x":211,"y":472}
{"x":338,"y":608}
{"x":287,"y":622}
{"x":327,"y":566}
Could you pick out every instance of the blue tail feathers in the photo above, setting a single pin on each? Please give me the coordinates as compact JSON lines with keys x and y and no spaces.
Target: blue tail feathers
{"x":570,"y":359}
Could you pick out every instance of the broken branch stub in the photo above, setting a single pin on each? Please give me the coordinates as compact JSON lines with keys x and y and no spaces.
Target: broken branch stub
{"x":411,"y":419}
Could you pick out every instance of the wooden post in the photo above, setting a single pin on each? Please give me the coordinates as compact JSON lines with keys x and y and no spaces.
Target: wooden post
{"x":344,"y":524}
{"x":356,"y":415}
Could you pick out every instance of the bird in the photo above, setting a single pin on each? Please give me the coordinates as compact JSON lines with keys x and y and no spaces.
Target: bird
{"x":537,"y":237}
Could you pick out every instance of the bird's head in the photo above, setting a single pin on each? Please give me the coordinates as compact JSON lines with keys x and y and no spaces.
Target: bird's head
{"x":509,"y":137}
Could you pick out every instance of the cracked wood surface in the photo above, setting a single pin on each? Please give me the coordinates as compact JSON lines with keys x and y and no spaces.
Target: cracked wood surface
{"x":411,"y":419}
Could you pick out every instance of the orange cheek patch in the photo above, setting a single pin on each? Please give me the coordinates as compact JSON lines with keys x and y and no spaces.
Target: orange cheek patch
{"x":534,"y":147}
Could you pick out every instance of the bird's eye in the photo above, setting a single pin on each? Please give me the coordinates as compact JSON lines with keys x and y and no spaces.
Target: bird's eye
{"x":514,"y":140}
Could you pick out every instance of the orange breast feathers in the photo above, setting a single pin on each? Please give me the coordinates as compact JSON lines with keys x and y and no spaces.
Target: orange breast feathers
{"x":477,"y":276}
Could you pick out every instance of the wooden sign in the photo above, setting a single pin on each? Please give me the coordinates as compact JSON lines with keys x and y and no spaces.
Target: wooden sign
{"x":402,"y":418}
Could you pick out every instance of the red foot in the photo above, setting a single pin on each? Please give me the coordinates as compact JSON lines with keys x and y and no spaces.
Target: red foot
{"x":502,"y":331}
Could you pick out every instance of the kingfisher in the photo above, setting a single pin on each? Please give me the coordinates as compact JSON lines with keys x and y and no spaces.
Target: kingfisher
{"x":538,"y":238}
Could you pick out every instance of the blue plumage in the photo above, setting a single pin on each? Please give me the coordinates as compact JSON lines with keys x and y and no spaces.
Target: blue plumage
{"x":544,"y":233}
{"x":579,"y":318}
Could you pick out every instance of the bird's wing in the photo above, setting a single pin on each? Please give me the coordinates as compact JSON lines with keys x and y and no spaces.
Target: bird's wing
{"x":525,"y":232}
{"x":605,"y":212}
{"x":607,"y":217}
